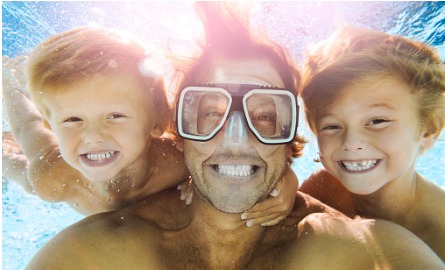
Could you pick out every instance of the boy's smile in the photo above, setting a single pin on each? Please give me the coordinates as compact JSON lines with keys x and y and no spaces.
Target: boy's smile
{"x":99,"y":158}
{"x":103,"y":126}
{"x":358,"y":166}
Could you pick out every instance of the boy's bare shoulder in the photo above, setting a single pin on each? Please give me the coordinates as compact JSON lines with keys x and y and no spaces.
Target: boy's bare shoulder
{"x":169,"y":161}
{"x":329,"y":190}
{"x":51,"y":177}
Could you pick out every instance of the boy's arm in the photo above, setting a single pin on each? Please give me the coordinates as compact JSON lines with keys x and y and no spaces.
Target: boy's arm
{"x":278,"y":206}
{"x":14,"y":162}
{"x":37,"y":142}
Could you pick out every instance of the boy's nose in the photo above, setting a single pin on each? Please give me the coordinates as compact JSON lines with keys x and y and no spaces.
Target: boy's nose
{"x":353,"y":142}
{"x":93,"y":135}
{"x":235,"y":130}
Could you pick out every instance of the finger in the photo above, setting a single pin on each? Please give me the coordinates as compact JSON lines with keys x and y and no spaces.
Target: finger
{"x":277,"y":188}
{"x":263,"y":206}
{"x":276,"y":209}
{"x":273,"y":222}
{"x":263,"y":220}
{"x":188,"y":201}
{"x":275,"y":192}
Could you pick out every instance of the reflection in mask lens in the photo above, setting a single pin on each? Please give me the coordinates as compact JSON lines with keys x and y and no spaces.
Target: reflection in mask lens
{"x":270,"y":115}
{"x":203,"y":112}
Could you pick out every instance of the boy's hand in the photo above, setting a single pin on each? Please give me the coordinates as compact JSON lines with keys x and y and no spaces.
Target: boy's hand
{"x":14,"y":162}
{"x":186,"y":189}
{"x":13,"y":74}
{"x":278,"y":206}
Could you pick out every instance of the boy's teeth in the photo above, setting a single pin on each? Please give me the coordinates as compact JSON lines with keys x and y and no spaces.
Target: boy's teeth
{"x":100,"y":156}
{"x":359,"y":165}
{"x":235,"y":170}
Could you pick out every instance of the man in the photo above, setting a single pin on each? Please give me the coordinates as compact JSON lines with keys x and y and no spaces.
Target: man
{"x":237,"y":116}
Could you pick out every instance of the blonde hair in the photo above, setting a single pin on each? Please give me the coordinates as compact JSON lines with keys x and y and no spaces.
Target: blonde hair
{"x":84,"y":53}
{"x":356,"y":54}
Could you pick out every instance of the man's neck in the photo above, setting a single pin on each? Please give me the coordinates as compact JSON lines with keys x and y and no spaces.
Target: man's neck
{"x":224,"y":235}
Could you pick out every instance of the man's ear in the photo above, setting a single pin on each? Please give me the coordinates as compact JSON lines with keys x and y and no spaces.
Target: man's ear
{"x":289,"y":152}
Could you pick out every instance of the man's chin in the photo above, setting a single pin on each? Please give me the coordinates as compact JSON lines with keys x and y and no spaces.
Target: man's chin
{"x":232,"y":205}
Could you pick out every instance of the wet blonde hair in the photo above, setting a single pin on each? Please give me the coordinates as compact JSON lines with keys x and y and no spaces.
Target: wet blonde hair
{"x":84,"y":53}
{"x":353,"y":54}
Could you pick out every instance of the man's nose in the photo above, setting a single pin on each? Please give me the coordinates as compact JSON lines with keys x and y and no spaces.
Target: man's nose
{"x":353,"y":141}
{"x":235,"y":130}
{"x":93,"y":134}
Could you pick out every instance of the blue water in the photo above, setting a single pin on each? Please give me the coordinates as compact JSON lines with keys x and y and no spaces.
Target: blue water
{"x":28,"y":223}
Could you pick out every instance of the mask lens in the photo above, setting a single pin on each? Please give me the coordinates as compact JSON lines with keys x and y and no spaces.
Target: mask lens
{"x":203,"y":112}
{"x":272,"y":114}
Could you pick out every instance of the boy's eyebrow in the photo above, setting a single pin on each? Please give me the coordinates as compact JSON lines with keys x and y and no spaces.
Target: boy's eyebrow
{"x":382,"y":104}
{"x":323,"y":113}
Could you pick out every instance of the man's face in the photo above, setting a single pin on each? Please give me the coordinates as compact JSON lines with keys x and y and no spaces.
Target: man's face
{"x":235,"y":176}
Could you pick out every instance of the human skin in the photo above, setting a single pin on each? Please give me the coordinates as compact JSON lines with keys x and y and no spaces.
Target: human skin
{"x":205,"y":235}
{"x":375,"y":124}
{"x":118,"y":115}
{"x":92,"y":110}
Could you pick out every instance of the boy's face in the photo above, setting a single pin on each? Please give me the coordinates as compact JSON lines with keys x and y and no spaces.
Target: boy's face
{"x":103,"y":126}
{"x":371,"y":135}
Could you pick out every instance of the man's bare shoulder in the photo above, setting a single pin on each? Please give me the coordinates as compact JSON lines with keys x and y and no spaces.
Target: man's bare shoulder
{"x":358,"y":244}
{"x":124,"y":239}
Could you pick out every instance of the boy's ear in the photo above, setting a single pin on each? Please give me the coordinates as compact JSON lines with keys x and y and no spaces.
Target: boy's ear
{"x":428,"y":140}
{"x":157,"y":132}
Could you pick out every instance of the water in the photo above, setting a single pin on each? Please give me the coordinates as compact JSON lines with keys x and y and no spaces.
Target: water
{"x":28,"y":223}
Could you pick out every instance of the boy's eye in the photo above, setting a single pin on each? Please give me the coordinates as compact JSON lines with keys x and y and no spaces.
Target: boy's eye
{"x":116,"y":116}
{"x":331,"y":127}
{"x":72,"y":119}
{"x":377,"y":121}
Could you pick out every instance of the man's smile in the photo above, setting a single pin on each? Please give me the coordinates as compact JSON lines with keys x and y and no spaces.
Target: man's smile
{"x":235,"y":170}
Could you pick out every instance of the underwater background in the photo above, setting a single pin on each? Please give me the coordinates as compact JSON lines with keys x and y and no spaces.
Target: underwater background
{"x":28,"y":223}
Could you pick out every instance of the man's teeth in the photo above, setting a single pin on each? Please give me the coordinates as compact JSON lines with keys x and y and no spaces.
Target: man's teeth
{"x":235,"y":170}
{"x":100,"y":156}
{"x":359,"y":165}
